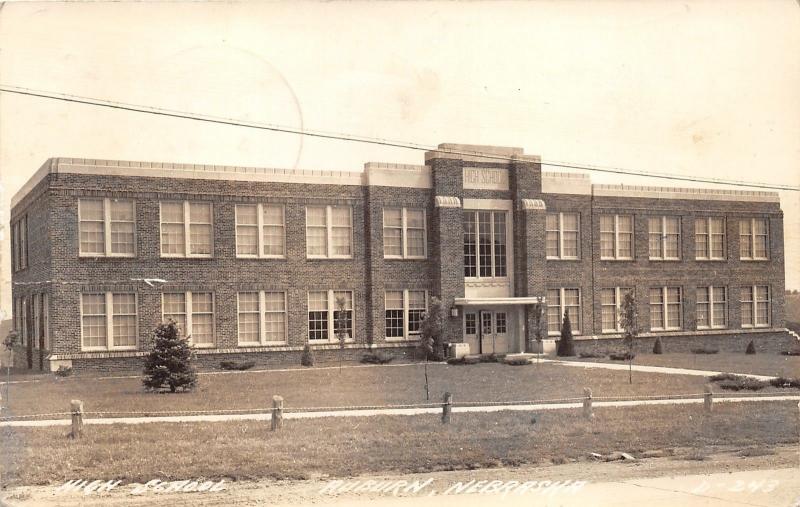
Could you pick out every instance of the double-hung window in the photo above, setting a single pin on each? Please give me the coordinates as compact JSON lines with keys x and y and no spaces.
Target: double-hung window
{"x":330,"y":313}
{"x":107,"y":227}
{"x":404,"y":312}
{"x":187,"y":229}
{"x":262,"y":318}
{"x":562,"y":235}
{"x":664,"y":235}
{"x":108,"y":321}
{"x":753,"y":239}
{"x":260,"y":231}
{"x":665,"y":308}
{"x":194,"y":314}
{"x":616,"y":237}
{"x":755,"y":306}
{"x":709,"y":238}
{"x":485,"y":244}
{"x":329,"y":232}
{"x":560,"y":301}
{"x":610,"y":303}
{"x":19,"y":244}
{"x":712,"y":307}
{"x":404,"y":233}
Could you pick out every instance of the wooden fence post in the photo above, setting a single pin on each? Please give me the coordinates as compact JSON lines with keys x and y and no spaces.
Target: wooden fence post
{"x":76,"y":407}
{"x":447,"y":408}
{"x":277,"y":412}
{"x":587,"y":403}
{"x":708,"y":399}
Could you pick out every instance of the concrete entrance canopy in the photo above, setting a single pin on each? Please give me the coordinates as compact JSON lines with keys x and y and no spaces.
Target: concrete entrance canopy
{"x":498,"y":301}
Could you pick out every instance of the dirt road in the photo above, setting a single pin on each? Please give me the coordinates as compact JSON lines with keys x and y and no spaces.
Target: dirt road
{"x":724,"y":479}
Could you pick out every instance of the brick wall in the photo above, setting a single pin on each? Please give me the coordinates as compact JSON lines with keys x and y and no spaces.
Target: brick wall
{"x":52,"y":209}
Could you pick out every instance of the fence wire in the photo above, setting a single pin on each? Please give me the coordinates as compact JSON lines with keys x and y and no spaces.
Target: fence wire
{"x":428,"y":405}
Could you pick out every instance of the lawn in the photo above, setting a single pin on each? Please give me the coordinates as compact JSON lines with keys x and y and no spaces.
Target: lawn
{"x":316,"y":387}
{"x":340,"y":447}
{"x":759,"y":364}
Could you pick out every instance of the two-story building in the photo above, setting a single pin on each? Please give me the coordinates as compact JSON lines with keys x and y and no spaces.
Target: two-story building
{"x":257,"y":263}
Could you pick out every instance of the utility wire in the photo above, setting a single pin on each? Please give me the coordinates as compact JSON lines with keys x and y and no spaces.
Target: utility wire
{"x":368,"y":140}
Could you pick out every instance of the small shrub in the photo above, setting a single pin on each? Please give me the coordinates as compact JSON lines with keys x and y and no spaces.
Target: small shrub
{"x":233,"y":365}
{"x":517,"y":361}
{"x":63,"y":371}
{"x":622,"y":356}
{"x":455,"y":360}
{"x":376,"y":358}
{"x":723,"y":376}
{"x":705,"y":350}
{"x":488,"y":358}
{"x":785,"y":382}
{"x":751,"y":348}
{"x":657,"y":347}
{"x":742,"y":383}
{"x":307,"y":359}
{"x":795,"y":352}
{"x":591,"y":355}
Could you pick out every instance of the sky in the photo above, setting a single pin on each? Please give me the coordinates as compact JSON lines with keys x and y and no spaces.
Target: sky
{"x":693,"y":88}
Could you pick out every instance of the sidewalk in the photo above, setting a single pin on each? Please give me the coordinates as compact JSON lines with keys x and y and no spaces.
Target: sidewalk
{"x":650,"y":369}
{"x":289,"y":414}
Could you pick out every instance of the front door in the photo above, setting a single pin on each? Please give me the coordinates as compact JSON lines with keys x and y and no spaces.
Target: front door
{"x":493,"y":329}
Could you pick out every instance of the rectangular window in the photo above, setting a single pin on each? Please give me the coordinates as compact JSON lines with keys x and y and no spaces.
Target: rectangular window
{"x":15,"y":247}
{"x":712,"y":307}
{"x":753,"y":239}
{"x":562,"y":235}
{"x":404,"y":233}
{"x":470,"y":324}
{"x":260,"y":231}
{"x":107,"y":227}
{"x":485,"y":244}
{"x":664,"y":234}
{"x":560,"y":301}
{"x":329,"y":232}
{"x":405,"y":310}
{"x":709,"y":238}
{"x":616,"y":237}
{"x":97,"y":325}
{"x":23,"y":242}
{"x":610,"y":303}
{"x":755,"y":306}
{"x":324,"y":313}
{"x":187,"y":229}
{"x":262,"y":318}
{"x":194,"y":314}
{"x":665,"y":308}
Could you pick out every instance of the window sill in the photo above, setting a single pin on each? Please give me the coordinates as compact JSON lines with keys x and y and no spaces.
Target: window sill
{"x":106,"y":256}
{"x":664,"y":329}
{"x":260,"y":344}
{"x":108,"y":349}
{"x":711,"y":260}
{"x":563,"y":258}
{"x":757,"y":326}
{"x":261,"y":257}
{"x":194,"y":256}
{"x":617,"y":259}
{"x":660,"y":259}
{"x":711,"y":328}
{"x":403,"y":339}
{"x":324,"y":258}
{"x":750,"y":259}
{"x":408,"y":258}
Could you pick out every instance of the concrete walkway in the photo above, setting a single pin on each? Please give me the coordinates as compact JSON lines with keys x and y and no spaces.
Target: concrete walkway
{"x":386,"y":411}
{"x":650,"y":369}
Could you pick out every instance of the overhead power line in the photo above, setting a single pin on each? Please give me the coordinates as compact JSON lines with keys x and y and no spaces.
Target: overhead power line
{"x":369,"y":140}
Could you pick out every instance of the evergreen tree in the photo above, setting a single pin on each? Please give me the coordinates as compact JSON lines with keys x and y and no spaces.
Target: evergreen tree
{"x":566,"y":346}
{"x":751,"y":348}
{"x":657,"y":347}
{"x":307,"y":358}
{"x":170,"y":362}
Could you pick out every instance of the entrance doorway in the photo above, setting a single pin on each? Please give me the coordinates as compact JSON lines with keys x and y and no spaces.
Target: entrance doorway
{"x":486,"y":331}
